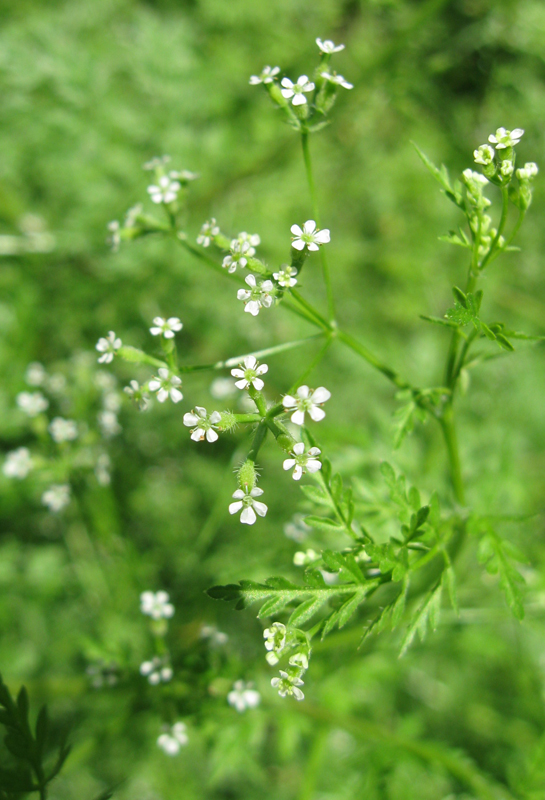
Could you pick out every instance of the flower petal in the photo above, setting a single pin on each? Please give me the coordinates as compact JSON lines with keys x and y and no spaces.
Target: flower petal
{"x":316,"y":413}
{"x":323,"y":237}
{"x":299,"y":448}
{"x":176,"y":395}
{"x":303,"y":391}
{"x":289,"y":402}
{"x":309,"y":226}
{"x":299,"y":100}
{"x":248,"y":516}
{"x":297,"y":472}
{"x":234,"y":507}
{"x":298,"y":244}
{"x":298,"y":417}
{"x":296,"y":230}
{"x":190,"y":419}
{"x":289,"y":463}
{"x":211,"y":435}
{"x":261,"y":508}
{"x":258,"y":384}
{"x":320,"y":395}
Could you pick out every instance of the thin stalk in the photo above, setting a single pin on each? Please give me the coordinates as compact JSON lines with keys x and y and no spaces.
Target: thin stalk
{"x":317,"y":317}
{"x":313,"y":364}
{"x":462,"y":357}
{"x":315,"y":211}
{"x":451,"y":441}
{"x":361,"y":350}
{"x":501,"y":226}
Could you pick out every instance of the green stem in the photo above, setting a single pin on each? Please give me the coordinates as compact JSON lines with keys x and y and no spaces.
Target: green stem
{"x":313,"y":364}
{"x":462,"y":358}
{"x":315,"y":211}
{"x":318,"y":319}
{"x":236,"y":360}
{"x":358,"y":348}
{"x":259,"y":438}
{"x":501,"y":226}
{"x":451,"y":441}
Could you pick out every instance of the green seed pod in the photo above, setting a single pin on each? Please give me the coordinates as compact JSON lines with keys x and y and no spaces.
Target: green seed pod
{"x":247,"y":477}
{"x":228,"y":421}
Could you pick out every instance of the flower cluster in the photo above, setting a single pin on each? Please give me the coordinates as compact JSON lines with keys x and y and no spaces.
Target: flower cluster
{"x":243,"y":696}
{"x":156,"y":605}
{"x":166,"y":327}
{"x":157,"y":670}
{"x":18,"y":463}
{"x":173,"y":739}
{"x":108,"y":346}
{"x":248,"y":373}
{"x":166,"y":190}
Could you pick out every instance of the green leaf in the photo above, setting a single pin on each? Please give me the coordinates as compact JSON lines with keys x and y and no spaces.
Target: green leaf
{"x":307,"y":610}
{"x":498,"y":556}
{"x":273,"y":606}
{"x":426,"y":617}
{"x":442,"y":177}
{"x":449,"y":582}
{"x":344,"y":563}
{"x":439,"y":321}
{"x":348,"y":609}
{"x":135,"y":356}
{"x":459,"y":239}
{"x":403,"y":422}
{"x":324,"y":524}
{"x":42,"y":727}
{"x":317,"y":495}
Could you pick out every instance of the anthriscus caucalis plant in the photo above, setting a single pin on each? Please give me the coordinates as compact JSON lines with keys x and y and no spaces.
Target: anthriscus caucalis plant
{"x":355,"y":559}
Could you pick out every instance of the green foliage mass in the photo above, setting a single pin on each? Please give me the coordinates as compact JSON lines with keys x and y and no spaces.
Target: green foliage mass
{"x":91,"y":91}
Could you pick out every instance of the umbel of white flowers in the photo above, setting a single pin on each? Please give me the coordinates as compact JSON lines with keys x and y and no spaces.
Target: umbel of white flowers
{"x":158,"y":670}
{"x":166,"y":327}
{"x":173,"y":739}
{"x":156,"y":605}
{"x":243,"y":696}
{"x":18,"y":463}
{"x":166,"y":385}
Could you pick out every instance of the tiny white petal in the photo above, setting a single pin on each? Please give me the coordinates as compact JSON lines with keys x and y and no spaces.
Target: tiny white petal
{"x":298,"y":417}
{"x":234,"y":507}
{"x":289,"y":463}
{"x":316,"y":413}
{"x":248,"y":516}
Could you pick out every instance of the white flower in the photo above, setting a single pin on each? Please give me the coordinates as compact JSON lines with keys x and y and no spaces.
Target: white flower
{"x":168,"y":327}
{"x":220,"y":388}
{"x":299,"y":660}
{"x":296,"y":90}
{"x":527,"y":172}
{"x":107,"y":346}
{"x":165,"y":192}
{"x":505,"y":138}
{"x":156,"y":605}
{"x":257,"y":296}
{"x":288,"y":684}
{"x":18,"y":463}
{"x":156,"y":671}
{"x":166,"y":386}
{"x":303,"y":461}
{"x":286,"y":276}
{"x":297,"y":529}
{"x":32,"y":403}
{"x":214,"y":636}
{"x":304,"y":558}
{"x":136,"y":393}
{"x":268,"y":75}
{"x":184,"y":175}
{"x":249,"y":372}
{"x":114,"y":240}
{"x":507,"y":168}
{"x":132,"y":214}
{"x":56,"y":383}
{"x":253,"y":239}
{"x":204,"y":423}
{"x":275,"y":637}
{"x":63,"y":430}
{"x":484,"y":154}
{"x":338,"y":80}
{"x":35,"y":374}
{"x":309,"y":236}
{"x":208,"y":231}
{"x":328,"y":46}
{"x":250,"y":506}
{"x":111,"y":401}
{"x":307,"y":402}
{"x":156,"y":162}
{"x":102,"y":469}
{"x":238,"y":257}
{"x":108,"y":423}
{"x":56,"y":497}
{"x":243,"y":696}
{"x":170,"y":743}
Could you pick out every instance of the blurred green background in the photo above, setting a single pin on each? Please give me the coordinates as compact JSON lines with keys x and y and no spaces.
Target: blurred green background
{"x":90,"y":91}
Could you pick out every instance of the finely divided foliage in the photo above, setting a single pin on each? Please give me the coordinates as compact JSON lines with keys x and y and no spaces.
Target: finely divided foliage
{"x":392,"y":571}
